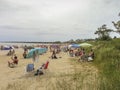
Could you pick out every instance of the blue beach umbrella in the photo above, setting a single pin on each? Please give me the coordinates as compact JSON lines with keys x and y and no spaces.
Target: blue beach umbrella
{"x":7,"y":47}
{"x":37,"y":51}
{"x":74,"y":46}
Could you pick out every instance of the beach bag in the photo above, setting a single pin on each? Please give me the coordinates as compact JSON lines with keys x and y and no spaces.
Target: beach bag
{"x":90,"y":58}
{"x":30,"y":67}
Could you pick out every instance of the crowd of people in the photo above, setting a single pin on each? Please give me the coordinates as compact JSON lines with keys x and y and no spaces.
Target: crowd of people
{"x":83,"y":56}
{"x":76,"y":52}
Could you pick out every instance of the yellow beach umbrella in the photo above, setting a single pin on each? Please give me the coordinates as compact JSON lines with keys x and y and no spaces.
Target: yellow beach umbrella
{"x":85,"y":45}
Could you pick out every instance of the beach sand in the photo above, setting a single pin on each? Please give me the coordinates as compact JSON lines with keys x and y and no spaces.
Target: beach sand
{"x":10,"y":75}
{"x":17,"y":79}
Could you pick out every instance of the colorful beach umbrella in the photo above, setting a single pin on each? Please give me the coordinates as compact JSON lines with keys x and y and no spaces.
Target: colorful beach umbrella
{"x":74,"y":46}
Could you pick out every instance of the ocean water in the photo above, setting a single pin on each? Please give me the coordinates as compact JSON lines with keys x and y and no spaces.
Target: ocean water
{"x":23,"y":44}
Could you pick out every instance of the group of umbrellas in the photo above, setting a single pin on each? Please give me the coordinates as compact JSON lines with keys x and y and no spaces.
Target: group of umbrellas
{"x":43,"y":50}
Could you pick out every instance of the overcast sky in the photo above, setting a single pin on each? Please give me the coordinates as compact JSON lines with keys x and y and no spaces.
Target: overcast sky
{"x":54,"y":20}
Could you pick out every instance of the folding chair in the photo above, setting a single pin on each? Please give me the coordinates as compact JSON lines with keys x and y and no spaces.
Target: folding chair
{"x":30,"y":67}
{"x":46,"y":65}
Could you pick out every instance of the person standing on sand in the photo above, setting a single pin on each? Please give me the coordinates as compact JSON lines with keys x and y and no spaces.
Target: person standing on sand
{"x":35,"y":56}
{"x":54,"y":55}
{"x":25,"y":54}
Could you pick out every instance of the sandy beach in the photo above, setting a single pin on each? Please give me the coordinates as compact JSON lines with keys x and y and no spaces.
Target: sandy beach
{"x":17,"y":79}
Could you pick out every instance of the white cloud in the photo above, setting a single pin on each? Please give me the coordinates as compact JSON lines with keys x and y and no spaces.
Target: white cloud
{"x":55,"y":19}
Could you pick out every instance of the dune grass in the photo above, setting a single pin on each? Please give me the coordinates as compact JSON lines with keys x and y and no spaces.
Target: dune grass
{"x":108,"y":62}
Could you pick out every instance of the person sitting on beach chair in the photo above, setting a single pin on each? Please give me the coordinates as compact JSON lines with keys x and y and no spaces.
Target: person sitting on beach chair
{"x":13,"y":62}
{"x":41,"y":68}
{"x":83,"y":56}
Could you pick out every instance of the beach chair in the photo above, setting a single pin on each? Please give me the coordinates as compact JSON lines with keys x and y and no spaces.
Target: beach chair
{"x":46,"y":65}
{"x":42,"y":69}
{"x":30,"y":67}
